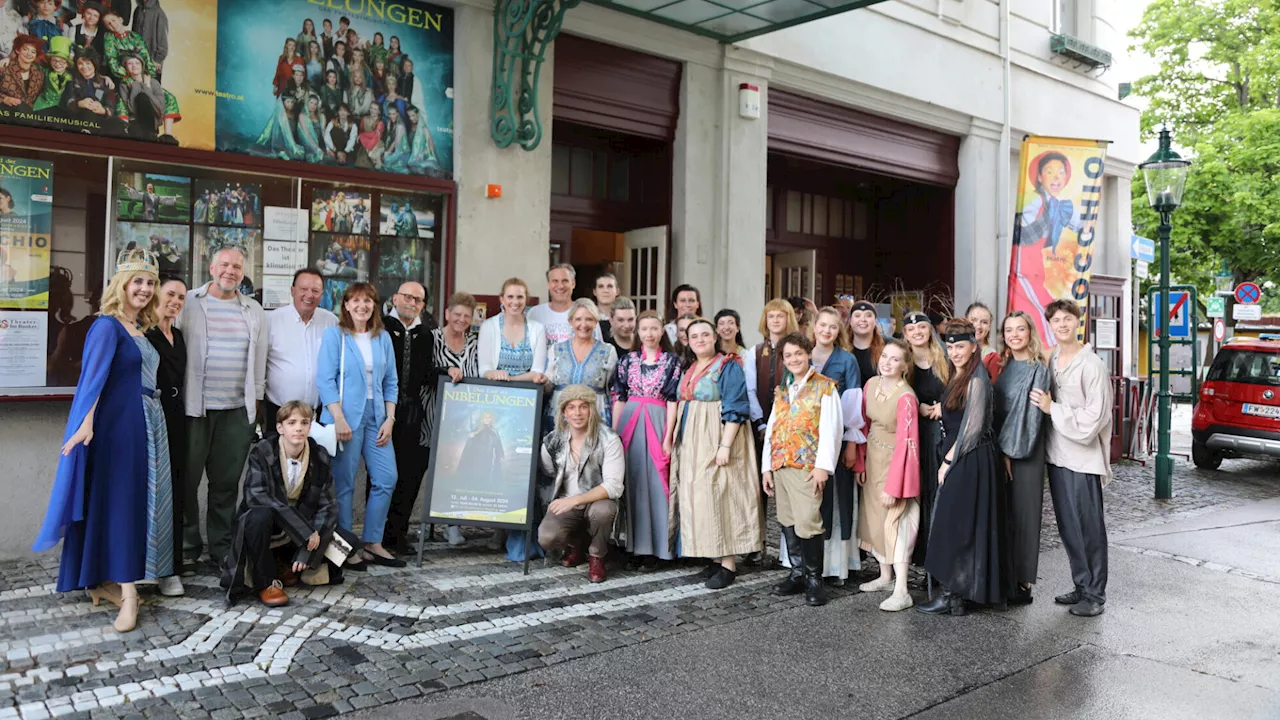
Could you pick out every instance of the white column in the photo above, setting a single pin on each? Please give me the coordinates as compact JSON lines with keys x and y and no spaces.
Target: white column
{"x":507,"y":236}
{"x":743,"y":180}
{"x":695,"y":181}
{"x":980,"y":264}
{"x":718,"y":203}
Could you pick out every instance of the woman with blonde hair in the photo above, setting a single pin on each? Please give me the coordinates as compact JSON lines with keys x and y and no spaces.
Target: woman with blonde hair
{"x":983,"y":319}
{"x":1020,"y":428}
{"x":583,"y":359}
{"x":929,"y":378}
{"x":888,"y":471}
{"x":512,"y":347}
{"x":112,"y":499}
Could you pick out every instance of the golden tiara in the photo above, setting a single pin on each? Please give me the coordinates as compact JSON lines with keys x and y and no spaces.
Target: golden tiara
{"x":137,"y":260}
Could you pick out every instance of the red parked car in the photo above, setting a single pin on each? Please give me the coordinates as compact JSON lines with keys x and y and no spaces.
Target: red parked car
{"x":1238,"y":414}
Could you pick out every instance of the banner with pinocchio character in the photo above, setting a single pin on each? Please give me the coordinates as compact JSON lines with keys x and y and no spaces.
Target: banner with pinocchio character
{"x":1059,"y":192}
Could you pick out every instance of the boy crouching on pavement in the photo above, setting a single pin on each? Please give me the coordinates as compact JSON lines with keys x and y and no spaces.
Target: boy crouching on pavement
{"x":287,"y":517}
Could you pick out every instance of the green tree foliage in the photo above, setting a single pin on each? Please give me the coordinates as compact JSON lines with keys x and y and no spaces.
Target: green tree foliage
{"x":1218,"y":89}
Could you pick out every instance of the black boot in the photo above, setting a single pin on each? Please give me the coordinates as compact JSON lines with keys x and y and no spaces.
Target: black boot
{"x":794,"y":582}
{"x":815,"y":593}
{"x":942,"y":604}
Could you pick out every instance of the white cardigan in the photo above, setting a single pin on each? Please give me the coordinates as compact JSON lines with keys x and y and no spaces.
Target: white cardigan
{"x":491,"y":344}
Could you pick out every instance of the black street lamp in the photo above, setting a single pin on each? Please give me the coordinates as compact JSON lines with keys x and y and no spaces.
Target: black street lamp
{"x":1165,"y":173}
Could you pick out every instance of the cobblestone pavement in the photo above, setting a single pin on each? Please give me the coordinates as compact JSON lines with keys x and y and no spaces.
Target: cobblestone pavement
{"x":464,"y":617}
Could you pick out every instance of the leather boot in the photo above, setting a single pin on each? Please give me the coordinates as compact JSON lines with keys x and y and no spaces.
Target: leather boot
{"x":794,"y":582}
{"x":943,"y":604}
{"x":815,"y":593}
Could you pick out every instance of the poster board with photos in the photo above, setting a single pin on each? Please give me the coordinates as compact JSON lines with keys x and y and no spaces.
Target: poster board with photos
{"x":484,"y":466}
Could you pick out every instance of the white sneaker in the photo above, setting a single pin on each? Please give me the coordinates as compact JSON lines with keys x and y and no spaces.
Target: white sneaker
{"x":896,"y":603}
{"x":876,"y":585}
{"x":171,"y":586}
{"x":453,"y":534}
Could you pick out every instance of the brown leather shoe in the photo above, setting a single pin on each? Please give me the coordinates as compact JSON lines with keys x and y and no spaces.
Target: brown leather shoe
{"x":273,"y":595}
{"x":288,"y":578}
{"x":573,"y":557}
{"x":595,"y":569}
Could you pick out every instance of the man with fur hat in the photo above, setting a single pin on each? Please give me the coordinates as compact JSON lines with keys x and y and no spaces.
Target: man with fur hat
{"x":584,"y":458}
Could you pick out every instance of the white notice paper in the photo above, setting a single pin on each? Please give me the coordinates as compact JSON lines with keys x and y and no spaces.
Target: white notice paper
{"x":24,"y":338}
{"x":1105,"y":335}
{"x":284,"y":223}
{"x":280,"y":257}
{"x":275,"y":291}
{"x":1246,"y":312}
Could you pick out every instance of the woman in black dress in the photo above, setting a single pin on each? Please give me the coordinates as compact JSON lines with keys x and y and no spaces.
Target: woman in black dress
{"x":168,"y":341}
{"x":864,"y":335}
{"x":965,"y":553}
{"x":928,"y":381}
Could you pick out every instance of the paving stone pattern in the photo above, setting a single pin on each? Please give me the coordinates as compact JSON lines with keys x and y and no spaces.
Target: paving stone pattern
{"x":466,"y":616}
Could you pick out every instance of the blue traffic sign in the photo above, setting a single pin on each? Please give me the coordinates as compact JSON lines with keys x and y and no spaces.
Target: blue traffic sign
{"x":1179,"y":315}
{"x":1142,"y":249}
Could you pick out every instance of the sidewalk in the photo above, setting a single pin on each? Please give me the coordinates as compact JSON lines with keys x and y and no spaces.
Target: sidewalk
{"x":468,"y":616}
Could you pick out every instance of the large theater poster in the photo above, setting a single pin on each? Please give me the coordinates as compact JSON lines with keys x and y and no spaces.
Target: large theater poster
{"x":484,"y":466}
{"x":26,"y":218}
{"x":353,"y":83}
{"x":1059,"y":192}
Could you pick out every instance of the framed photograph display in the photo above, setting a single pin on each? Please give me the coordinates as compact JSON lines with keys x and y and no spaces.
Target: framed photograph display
{"x":152,"y":197}
{"x":407,"y":216}
{"x":170,"y":243}
{"x":340,"y":210}
{"x":341,"y":260}
{"x":224,"y":202}
{"x":484,"y":466}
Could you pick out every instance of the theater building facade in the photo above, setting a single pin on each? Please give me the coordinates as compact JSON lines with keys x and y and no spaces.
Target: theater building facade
{"x":752,"y":149}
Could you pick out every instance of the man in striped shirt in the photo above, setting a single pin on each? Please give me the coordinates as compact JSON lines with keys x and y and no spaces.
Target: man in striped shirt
{"x":226,"y":336}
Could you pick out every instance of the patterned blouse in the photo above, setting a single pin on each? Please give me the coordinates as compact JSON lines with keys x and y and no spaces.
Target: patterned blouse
{"x":658,"y":379}
{"x":514,"y":359}
{"x":468,"y":361}
{"x":595,"y":371}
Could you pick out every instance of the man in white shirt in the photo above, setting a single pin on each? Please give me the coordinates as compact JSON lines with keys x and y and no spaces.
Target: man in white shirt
{"x":554,"y":314}
{"x":293,"y":344}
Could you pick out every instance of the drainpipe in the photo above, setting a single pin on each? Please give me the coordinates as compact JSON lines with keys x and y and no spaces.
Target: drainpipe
{"x":1004,"y":205}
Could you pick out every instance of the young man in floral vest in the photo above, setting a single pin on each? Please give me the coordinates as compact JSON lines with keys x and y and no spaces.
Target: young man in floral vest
{"x":801,"y":445}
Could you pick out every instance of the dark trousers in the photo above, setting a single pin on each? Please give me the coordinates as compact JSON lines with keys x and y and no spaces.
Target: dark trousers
{"x":1077,"y":505}
{"x":268,"y":419}
{"x":217,"y":446}
{"x":411,"y":466}
{"x":265,"y":562}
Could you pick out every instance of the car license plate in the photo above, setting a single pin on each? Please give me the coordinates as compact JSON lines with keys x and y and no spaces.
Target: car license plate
{"x":1269,"y":411}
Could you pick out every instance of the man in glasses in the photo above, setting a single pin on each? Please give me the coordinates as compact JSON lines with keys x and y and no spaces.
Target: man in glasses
{"x":415,"y":366}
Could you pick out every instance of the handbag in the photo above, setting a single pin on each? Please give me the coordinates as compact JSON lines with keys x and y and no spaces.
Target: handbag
{"x":326,"y":436}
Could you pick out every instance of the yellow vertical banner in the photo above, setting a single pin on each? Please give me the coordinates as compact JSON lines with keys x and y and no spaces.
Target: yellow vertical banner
{"x":1054,"y":229}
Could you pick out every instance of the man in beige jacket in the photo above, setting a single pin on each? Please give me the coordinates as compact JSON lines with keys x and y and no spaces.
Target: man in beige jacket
{"x":1078,"y":447}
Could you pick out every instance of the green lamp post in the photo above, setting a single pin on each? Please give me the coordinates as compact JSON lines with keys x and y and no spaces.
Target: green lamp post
{"x":1165,"y":173}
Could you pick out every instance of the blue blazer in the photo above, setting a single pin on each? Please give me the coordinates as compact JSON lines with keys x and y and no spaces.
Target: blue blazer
{"x":354,"y":395}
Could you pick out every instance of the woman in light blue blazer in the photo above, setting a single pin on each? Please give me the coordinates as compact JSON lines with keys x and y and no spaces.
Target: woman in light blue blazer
{"x":356,"y":376}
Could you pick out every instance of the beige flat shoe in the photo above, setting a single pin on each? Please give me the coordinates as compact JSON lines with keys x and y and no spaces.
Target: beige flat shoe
{"x":875,"y":585}
{"x":897,"y":603}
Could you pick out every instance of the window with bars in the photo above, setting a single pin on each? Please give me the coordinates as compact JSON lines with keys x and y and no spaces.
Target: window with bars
{"x":824,"y":216}
{"x":594,"y":173}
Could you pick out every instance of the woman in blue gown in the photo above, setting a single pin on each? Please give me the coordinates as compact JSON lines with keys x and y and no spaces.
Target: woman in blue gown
{"x":112,"y":500}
